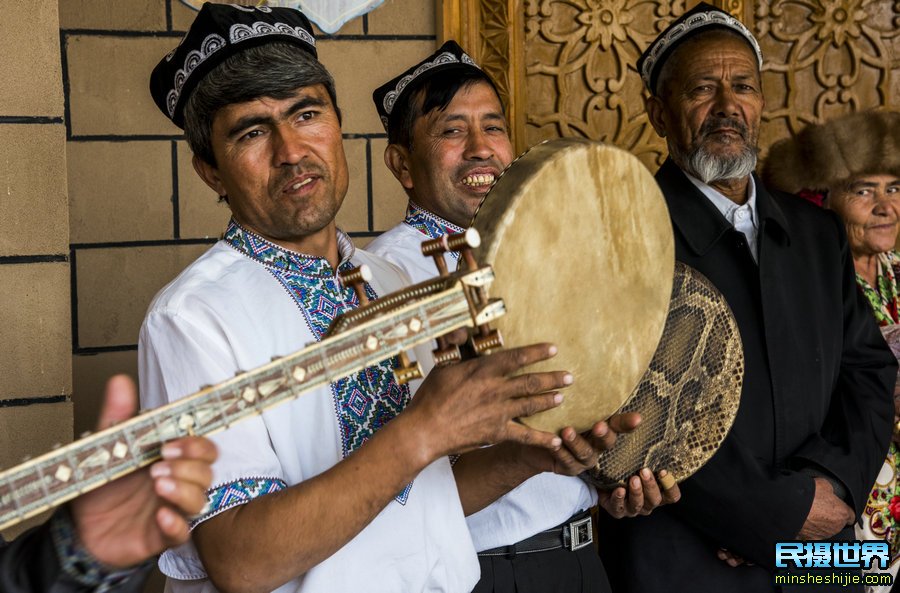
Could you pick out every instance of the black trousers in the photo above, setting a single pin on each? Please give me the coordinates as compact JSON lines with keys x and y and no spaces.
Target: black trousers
{"x":555,"y":571}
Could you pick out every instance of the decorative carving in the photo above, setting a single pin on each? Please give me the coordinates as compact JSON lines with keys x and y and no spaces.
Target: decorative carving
{"x":494,"y":50}
{"x":826,"y":58}
{"x":580,"y":75}
{"x":733,"y":7}
{"x":491,"y":31}
{"x":823,"y":58}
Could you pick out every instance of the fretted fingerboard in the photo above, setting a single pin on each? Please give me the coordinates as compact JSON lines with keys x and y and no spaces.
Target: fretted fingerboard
{"x":84,"y":465}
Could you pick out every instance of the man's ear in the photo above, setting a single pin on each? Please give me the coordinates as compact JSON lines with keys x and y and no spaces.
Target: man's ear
{"x":655,"y":110}
{"x":209,"y":174}
{"x":396,"y":158}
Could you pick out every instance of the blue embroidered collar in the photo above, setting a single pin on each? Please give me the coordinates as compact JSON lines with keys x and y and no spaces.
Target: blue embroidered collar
{"x":275,"y":257}
{"x":429,"y":224}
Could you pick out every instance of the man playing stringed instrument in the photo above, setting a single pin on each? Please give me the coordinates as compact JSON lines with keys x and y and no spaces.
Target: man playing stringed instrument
{"x":338,"y":490}
{"x":448,"y":141}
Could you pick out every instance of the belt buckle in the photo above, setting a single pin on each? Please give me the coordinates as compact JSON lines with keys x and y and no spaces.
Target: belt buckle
{"x":581,"y":534}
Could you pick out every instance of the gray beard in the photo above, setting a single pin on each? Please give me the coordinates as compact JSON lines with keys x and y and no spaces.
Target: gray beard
{"x":708,"y":167}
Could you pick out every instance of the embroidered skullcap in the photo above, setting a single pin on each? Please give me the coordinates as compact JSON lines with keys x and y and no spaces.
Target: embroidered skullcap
{"x":702,"y":17}
{"x":450,"y":57}
{"x":218,"y":32}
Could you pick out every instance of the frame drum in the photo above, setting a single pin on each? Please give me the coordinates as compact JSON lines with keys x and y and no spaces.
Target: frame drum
{"x":579,"y":237}
{"x":689,"y":397}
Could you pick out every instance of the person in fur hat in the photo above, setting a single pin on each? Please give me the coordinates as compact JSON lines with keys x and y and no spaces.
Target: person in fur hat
{"x":851,"y":165}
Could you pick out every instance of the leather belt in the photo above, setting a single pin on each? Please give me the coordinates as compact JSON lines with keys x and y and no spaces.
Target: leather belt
{"x":574,"y":534}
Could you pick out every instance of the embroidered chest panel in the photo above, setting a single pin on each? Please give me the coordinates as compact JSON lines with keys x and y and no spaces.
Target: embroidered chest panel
{"x":366,"y":401}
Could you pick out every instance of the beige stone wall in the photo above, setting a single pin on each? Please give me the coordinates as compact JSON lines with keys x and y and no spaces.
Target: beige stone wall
{"x":137,"y":211}
{"x":35,"y":360}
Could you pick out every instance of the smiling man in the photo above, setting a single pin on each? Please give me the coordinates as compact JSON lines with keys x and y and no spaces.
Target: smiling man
{"x":816,"y":410}
{"x":349,"y":487}
{"x":448,"y":142}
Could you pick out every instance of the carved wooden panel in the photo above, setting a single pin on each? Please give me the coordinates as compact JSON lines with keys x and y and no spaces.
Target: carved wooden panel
{"x":574,"y":74}
{"x":580,"y":76}
{"x":491,"y":31}
{"x":825,"y":58}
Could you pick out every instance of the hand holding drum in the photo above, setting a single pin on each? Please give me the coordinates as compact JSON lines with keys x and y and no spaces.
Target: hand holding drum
{"x":581,"y":243}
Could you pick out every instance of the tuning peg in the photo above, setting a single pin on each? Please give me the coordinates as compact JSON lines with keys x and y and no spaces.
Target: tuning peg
{"x":463,"y":242}
{"x":486,"y":340}
{"x":357,"y":278}
{"x":85,"y":434}
{"x":406,"y":371}
{"x":446,"y":353}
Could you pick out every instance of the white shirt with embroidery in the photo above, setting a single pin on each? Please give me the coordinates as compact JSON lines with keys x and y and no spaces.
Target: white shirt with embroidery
{"x":234,"y":309}
{"x":545,"y":500}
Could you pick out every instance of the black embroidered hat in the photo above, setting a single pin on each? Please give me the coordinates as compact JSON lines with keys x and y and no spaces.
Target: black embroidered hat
{"x":448,"y":57}
{"x":218,"y":32}
{"x":702,"y":17}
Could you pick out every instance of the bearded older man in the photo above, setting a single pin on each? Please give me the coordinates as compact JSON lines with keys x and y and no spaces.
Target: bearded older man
{"x":815,"y":414}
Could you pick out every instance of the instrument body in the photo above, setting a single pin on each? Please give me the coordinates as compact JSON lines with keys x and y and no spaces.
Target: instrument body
{"x":374,"y":332}
{"x":580,"y":238}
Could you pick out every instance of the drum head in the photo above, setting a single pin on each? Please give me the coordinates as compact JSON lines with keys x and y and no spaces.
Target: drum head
{"x":689,"y":397}
{"x":580,"y":240}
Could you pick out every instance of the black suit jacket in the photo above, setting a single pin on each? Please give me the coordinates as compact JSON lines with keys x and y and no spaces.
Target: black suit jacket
{"x":817,"y":395}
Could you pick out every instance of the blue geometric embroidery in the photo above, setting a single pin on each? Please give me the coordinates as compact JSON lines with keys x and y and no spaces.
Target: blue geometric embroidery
{"x":429,"y":224}
{"x":369,"y":399}
{"x":236,"y":493}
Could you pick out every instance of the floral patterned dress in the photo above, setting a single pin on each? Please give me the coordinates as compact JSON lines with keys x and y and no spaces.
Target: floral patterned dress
{"x":883,"y":296}
{"x":881,"y":517}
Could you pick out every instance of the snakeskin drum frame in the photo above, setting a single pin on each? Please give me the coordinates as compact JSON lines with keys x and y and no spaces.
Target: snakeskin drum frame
{"x":690,"y":394}
{"x":581,"y":243}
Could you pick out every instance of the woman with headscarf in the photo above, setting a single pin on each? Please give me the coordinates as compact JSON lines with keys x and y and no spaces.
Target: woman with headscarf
{"x":851,"y":165}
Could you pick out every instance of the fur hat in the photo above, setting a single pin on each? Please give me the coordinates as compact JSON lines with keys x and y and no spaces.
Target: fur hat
{"x":824,"y":156}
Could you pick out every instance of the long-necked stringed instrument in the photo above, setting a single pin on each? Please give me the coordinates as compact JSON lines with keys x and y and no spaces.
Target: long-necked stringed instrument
{"x":374,"y":332}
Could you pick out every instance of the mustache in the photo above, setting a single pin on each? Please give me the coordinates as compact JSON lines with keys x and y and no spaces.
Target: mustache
{"x":713,"y":124}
